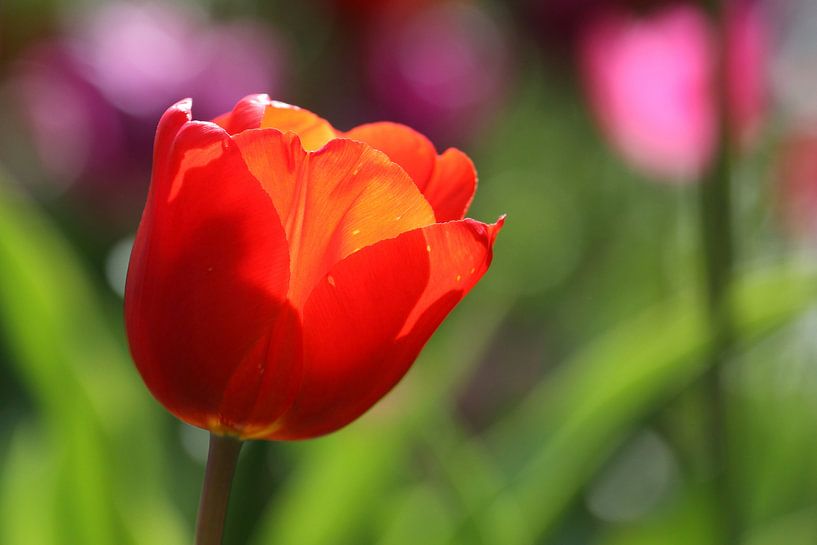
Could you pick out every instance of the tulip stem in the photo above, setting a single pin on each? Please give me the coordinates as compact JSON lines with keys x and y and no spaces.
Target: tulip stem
{"x":717,"y":238}
{"x":215,"y":494}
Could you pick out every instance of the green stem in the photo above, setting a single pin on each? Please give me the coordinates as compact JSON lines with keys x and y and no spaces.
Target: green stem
{"x":717,"y":238}
{"x":215,"y":494}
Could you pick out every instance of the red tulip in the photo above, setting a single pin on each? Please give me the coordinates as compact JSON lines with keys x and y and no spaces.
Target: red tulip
{"x":285,"y":275}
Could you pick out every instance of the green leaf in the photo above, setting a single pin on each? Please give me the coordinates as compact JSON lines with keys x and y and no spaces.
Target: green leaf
{"x":80,"y":375}
{"x":29,"y":492}
{"x":573,"y":422}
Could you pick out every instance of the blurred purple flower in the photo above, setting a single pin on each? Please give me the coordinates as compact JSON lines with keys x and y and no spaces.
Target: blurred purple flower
{"x":74,"y":129}
{"x":650,"y":81}
{"x":442,"y":68}
{"x":117,"y":70}
{"x":145,"y":56}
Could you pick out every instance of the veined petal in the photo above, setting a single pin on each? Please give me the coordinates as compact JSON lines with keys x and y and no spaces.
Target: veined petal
{"x":405,"y":146}
{"x":448,"y":181}
{"x":368,"y":319}
{"x":313,"y":131}
{"x":332,"y":202}
{"x":207,"y":283}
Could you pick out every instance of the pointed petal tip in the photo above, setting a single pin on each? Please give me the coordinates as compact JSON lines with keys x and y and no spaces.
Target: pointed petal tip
{"x":496,"y":227}
{"x":185,"y":104}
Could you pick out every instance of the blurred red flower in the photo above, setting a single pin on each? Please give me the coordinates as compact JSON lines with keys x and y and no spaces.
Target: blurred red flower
{"x":797,"y":176}
{"x":285,"y":275}
{"x":651,"y":82}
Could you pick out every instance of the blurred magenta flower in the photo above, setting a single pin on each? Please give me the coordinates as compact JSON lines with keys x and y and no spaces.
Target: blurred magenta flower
{"x":442,"y":68}
{"x":651,"y":80}
{"x":747,"y":57}
{"x":114,"y":72}
{"x":82,"y":135}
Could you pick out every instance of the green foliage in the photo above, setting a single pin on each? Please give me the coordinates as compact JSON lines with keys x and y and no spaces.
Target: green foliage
{"x":102,"y":434}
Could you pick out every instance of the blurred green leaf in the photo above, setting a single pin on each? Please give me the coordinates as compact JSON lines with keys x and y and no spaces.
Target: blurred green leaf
{"x":28,"y":495}
{"x":419,"y":516}
{"x":330,"y":497}
{"x":772,"y":412}
{"x":799,"y":528}
{"x":688,"y":520}
{"x":574,"y":421}
{"x":99,"y":415}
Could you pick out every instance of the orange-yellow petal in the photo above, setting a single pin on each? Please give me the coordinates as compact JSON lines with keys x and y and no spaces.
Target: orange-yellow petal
{"x":452,"y":185}
{"x":313,"y":131}
{"x":448,"y":181}
{"x":331,"y":202}
{"x":405,"y":146}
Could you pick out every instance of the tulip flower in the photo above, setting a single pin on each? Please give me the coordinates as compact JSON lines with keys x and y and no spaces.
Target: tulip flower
{"x":286,"y":275}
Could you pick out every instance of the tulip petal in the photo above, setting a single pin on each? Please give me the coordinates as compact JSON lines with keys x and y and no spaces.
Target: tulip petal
{"x":405,"y":146}
{"x":206,"y":308}
{"x":452,"y":185}
{"x":313,"y":131}
{"x":169,"y":126}
{"x":246,"y":114}
{"x":368,"y":319}
{"x":448,"y":181}
{"x":332,"y":202}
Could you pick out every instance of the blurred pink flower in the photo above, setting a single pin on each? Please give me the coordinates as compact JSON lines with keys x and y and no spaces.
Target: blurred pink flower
{"x":747,"y":61}
{"x":442,"y":68}
{"x":651,"y":79}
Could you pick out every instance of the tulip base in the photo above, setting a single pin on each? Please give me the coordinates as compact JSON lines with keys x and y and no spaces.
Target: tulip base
{"x":215,"y":494}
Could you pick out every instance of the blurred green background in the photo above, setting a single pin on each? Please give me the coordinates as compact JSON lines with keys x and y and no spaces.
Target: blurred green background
{"x":563,"y":402}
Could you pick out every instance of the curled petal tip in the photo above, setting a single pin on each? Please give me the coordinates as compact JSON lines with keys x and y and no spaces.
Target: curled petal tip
{"x":496,"y":227}
{"x":184,"y":105}
{"x":261,"y":98}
